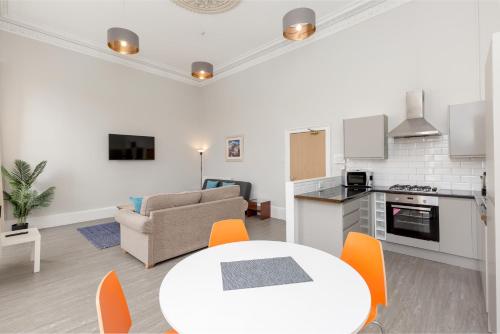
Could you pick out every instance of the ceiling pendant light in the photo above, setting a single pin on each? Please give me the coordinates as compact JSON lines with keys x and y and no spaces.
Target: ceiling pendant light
{"x":299,"y":24}
{"x":123,"y":41}
{"x":202,"y":70}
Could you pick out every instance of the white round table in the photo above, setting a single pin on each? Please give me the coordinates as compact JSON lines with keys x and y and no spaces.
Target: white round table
{"x":193,"y":301}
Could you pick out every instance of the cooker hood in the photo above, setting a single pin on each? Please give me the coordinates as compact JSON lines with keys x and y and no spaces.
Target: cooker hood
{"x":415,"y":124}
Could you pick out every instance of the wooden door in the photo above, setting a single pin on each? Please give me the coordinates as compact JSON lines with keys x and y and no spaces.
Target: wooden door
{"x":307,"y":155}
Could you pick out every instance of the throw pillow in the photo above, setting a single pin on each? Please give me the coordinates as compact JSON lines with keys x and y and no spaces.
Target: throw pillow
{"x":212,"y":184}
{"x":227,"y":184}
{"x":137,"y":202}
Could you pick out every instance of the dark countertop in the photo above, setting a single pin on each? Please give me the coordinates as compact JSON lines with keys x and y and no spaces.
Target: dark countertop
{"x":342,"y":194}
{"x":335,"y":195}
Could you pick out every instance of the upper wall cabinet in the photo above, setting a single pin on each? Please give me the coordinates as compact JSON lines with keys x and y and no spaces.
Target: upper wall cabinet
{"x":365,"y":137}
{"x":467,"y":126}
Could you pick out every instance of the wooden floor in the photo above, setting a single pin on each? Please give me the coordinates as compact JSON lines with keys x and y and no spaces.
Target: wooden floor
{"x":424,"y":296}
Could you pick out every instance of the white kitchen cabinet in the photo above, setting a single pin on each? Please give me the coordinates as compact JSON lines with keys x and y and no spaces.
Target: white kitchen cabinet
{"x":456,"y":231}
{"x":365,"y":137}
{"x":467,"y":135}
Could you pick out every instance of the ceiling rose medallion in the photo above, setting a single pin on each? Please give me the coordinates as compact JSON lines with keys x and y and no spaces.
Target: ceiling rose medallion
{"x":207,"y":6}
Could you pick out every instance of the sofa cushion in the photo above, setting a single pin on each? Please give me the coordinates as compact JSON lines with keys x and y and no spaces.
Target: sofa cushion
{"x":166,"y":201}
{"x":137,"y":202}
{"x":212,"y":184}
{"x":217,"y":194}
{"x":245,"y":187}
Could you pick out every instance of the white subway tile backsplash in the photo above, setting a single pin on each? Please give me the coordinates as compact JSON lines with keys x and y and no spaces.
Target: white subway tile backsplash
{"x":451,"y":178}
{"x":433,"y":178}
{"x":442,"y":171}
{"x":462,"y":171}
{"x":461,"y":186}
{"x":424,"y":170}
{"x":442,"y":157}
{"x":423,"y":161}
{"x":433,"y":164}
{"x":471,"y":179}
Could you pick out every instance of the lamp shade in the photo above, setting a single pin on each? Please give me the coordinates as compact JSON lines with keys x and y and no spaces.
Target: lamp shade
{"x":123,"y":41}
{"x":202,"y":70}
{"x":299,"y":24}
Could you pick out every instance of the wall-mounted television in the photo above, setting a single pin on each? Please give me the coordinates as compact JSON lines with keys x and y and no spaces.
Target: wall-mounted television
{"x":125,"y":147}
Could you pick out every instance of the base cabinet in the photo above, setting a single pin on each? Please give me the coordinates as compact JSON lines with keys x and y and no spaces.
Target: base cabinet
{"x":457,"y":235}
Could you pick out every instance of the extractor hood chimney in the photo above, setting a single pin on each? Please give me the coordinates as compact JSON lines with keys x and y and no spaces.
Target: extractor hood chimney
{"x":415,"y":124}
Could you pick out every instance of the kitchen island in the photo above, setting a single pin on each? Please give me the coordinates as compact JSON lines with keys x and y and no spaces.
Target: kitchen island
{"x":326,"y":216}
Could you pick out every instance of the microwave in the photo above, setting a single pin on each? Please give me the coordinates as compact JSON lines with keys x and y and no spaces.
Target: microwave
{"x":357,"y":178}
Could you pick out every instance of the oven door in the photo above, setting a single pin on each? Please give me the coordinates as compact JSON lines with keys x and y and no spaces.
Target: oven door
{"x":414,"y":221}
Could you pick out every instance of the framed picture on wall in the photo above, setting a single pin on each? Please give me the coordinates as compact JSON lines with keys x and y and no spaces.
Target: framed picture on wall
{"x":234,"y":148}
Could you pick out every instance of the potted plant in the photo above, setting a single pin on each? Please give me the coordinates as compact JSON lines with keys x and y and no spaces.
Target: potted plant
{"x":22,"y":197}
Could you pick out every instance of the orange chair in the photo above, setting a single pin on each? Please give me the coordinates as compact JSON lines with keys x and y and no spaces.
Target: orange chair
{"x":112,"y":308}
{"x":365,"y":255}
{"x":225,"y":231}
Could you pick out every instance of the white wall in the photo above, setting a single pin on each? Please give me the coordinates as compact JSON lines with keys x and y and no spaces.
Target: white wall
{"x":362,"y":71}
{"x":58,"y":105}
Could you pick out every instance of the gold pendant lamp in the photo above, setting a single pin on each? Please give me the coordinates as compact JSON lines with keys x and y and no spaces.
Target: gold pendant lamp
{"x":202,"y":70}
{"x":299,"y":24}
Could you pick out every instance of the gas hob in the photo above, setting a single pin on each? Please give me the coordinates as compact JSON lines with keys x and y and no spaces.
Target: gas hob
{"x":413,"y":188}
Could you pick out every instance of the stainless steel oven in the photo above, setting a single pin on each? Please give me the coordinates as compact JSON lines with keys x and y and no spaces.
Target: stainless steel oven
{"x":413,"y":216}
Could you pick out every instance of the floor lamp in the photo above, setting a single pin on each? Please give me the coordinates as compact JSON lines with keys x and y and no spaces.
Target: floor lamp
{"x":201,"y":151}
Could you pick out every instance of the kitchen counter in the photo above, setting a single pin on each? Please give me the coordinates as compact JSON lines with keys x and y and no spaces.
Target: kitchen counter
{"x":335,"y":195}
{"x":342,"y":194}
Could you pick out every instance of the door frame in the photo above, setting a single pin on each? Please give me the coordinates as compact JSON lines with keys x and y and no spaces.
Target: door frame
{"x":328,"y":162}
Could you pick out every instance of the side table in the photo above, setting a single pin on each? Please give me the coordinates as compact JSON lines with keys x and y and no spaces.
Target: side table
{"x":260,"y":207}
{"x":33,"y":236}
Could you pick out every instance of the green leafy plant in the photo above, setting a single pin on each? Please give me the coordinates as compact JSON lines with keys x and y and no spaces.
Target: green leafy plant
{"x":22,"y":197}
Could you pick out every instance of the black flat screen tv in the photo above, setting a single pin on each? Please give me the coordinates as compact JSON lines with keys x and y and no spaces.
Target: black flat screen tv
{"x":125,"y":147}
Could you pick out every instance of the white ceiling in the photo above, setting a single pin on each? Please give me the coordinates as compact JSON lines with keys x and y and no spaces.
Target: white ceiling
{"x":172,"y":37}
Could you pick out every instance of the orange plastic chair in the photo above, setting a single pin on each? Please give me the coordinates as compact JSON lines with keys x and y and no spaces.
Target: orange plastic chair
{"x":226,"y":231}
{"x":364,"y":253}
{"x":112,"y":307}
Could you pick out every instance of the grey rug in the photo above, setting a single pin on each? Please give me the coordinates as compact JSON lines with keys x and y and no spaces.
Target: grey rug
{"x":262,"y":272}
{"x":102,"y":235}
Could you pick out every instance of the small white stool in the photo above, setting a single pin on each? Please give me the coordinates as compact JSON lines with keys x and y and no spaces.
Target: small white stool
{"x":32,"y":236}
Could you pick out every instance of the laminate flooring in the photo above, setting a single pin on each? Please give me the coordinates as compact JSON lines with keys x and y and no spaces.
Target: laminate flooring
{"x":424,"y":296}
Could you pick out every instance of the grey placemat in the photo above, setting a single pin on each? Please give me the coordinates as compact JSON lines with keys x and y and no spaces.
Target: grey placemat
{"x":262,"y":272}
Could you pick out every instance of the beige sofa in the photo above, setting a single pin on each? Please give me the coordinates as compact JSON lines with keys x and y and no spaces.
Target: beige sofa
{"x":170,"y":225}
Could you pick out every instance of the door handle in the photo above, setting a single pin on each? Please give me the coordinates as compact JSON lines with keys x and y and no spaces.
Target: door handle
{"x":411,"y":208}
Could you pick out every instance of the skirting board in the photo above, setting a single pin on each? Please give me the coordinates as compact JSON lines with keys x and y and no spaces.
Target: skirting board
{"x":278,"y":212}
{"x":67,"y":218}
{"x":431,"y":255}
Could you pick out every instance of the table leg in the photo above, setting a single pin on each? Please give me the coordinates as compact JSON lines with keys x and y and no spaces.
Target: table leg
{"x":36,"y":249}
